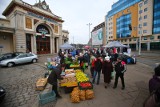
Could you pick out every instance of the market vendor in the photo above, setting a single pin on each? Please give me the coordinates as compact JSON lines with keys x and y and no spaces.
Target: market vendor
{"x":52,"y":79}
{"x":68,"y":61}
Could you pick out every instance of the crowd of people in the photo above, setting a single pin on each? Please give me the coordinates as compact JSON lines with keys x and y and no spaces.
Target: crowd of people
{"x":100,"y":61}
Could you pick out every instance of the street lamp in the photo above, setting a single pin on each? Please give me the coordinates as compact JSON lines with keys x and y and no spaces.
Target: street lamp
{"x":89,"y":24}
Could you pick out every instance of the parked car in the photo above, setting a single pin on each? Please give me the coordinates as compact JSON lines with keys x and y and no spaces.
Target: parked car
{"x":9,"y":55}
{"x":19,"y":59}
{"x":128,"y":59}
{"x":2,"y":93}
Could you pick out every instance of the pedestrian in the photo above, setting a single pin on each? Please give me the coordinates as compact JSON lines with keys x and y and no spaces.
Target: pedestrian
{"x":154,"y":82}
{"x":97,"y":69}
{"x":52,"y":79}
{"x":120,"y":68}
{"x":92,"y":65}
{"x":81,"y":61}
{"x":107,"y":68}
{"x":60,"y":53}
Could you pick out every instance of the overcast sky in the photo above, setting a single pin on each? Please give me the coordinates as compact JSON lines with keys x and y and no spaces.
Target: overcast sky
{"x":76,"y":14}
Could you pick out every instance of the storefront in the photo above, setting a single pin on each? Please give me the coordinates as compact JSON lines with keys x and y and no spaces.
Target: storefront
{"x":35,"y":28}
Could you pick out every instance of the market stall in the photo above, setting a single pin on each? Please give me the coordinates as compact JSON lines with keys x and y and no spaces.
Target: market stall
{"x":78,"y":84}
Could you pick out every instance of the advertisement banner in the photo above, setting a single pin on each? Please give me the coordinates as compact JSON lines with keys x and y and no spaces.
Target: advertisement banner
{"x":97,"y":37}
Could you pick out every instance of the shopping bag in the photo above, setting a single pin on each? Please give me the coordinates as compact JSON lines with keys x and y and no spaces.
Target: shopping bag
{"x":112,"y":74}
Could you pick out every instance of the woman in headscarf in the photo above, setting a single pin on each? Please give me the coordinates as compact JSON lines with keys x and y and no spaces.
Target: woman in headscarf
{"x":107,"y":68}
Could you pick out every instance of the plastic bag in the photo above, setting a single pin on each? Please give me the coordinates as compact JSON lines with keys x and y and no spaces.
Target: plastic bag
{"x":112,"y":74}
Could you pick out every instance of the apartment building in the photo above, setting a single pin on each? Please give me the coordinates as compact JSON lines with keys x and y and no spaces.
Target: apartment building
{"x":132,"y":20}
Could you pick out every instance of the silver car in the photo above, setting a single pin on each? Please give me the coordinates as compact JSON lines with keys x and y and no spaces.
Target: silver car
{"x":20,"y":59}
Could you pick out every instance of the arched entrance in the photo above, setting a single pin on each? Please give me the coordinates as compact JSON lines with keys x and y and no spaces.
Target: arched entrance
{"x":43,"y":39}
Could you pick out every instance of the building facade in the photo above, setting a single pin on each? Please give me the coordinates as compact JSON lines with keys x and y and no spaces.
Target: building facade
{"x":31,"y":28}
{"x":132,"y":20}
{"x":98,"y":35}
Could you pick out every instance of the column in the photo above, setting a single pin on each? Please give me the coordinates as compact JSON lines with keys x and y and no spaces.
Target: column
{"x":52,"y":44}
{"x":136,"y":46}
{"x":14,"y":43}
{"x":34,"y":45}
{"x":148,"y":46}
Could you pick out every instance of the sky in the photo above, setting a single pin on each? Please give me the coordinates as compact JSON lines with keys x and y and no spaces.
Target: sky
{"x":76,"y":15}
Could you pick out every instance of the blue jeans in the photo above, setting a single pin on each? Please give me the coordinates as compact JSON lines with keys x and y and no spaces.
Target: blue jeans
{"x":94,"y":76}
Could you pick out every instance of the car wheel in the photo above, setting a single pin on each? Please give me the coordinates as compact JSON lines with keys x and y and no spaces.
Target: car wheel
{"x":34,"y":60}
{"x":10,"y":64}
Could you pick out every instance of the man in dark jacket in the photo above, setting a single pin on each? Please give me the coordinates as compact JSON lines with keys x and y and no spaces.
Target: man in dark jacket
{"x":52,"y":79}
{"x":97,"y":69}
{"x":120,"y":68}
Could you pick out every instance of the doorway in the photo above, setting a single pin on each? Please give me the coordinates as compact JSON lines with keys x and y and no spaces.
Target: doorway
{"x":55,"y":44}
{"x":28,"y":42}
{"x":43,"y":45}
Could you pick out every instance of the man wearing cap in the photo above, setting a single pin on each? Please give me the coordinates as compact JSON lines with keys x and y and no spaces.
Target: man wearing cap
{"x":120,"y":68}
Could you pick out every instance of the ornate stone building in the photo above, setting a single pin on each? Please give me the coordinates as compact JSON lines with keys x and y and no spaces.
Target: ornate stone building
{"x":31,"y":27}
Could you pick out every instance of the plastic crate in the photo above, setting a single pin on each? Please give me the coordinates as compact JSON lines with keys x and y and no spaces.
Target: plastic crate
{"x":47,"y":97}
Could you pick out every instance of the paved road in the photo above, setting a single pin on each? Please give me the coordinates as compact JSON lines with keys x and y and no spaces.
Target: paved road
{"x":148,"y":58}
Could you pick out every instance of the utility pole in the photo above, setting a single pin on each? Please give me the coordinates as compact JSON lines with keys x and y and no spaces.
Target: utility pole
{"x":73,"y":39}
{"x":89,"y":24}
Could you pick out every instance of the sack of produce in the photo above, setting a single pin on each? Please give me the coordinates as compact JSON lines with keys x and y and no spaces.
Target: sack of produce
{"x":82,"y":95}
{"x":75,"y":96}
{"x":89,"y":94}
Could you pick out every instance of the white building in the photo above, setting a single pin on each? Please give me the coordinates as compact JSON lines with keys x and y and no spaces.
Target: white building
{"x":31,"y":27}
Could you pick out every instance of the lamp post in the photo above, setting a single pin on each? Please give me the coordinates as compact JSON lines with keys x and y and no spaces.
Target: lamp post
{"x":89,"y":24}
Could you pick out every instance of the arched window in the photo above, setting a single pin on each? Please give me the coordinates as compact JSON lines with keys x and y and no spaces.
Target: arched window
{"x":42,"y":29}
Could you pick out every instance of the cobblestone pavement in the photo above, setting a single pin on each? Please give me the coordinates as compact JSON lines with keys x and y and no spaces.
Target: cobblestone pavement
{"x":19,"y":82}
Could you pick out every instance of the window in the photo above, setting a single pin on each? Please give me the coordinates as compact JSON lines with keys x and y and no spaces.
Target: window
{"x":140,"y":5}
{"x":145,"y":9}
{"x":140,"y":18}
{"x":130,"y":39}
{"x":140,"y":11}
{"x":152,"y":37}
{"x":29,"y":54}
{"x":28,"y":23}
{"x":145,"y":17}
{"x":122,"y":12}
{"x":56,"y":29}
{"x":140,"y":25}
{"x":158,"y":37}
{"x":22,"y":56}
{"x":128,"y":10}
{"x":144,"y":31}
{"x":146,"y":1}
{"x":145,"y":38}
{"x":145,"y":24}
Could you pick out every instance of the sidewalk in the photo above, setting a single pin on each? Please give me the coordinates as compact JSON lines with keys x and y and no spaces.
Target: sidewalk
{"x":136,"y":80}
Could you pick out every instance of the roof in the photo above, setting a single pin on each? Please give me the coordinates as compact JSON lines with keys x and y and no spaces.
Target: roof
{"x":31,"y":8}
